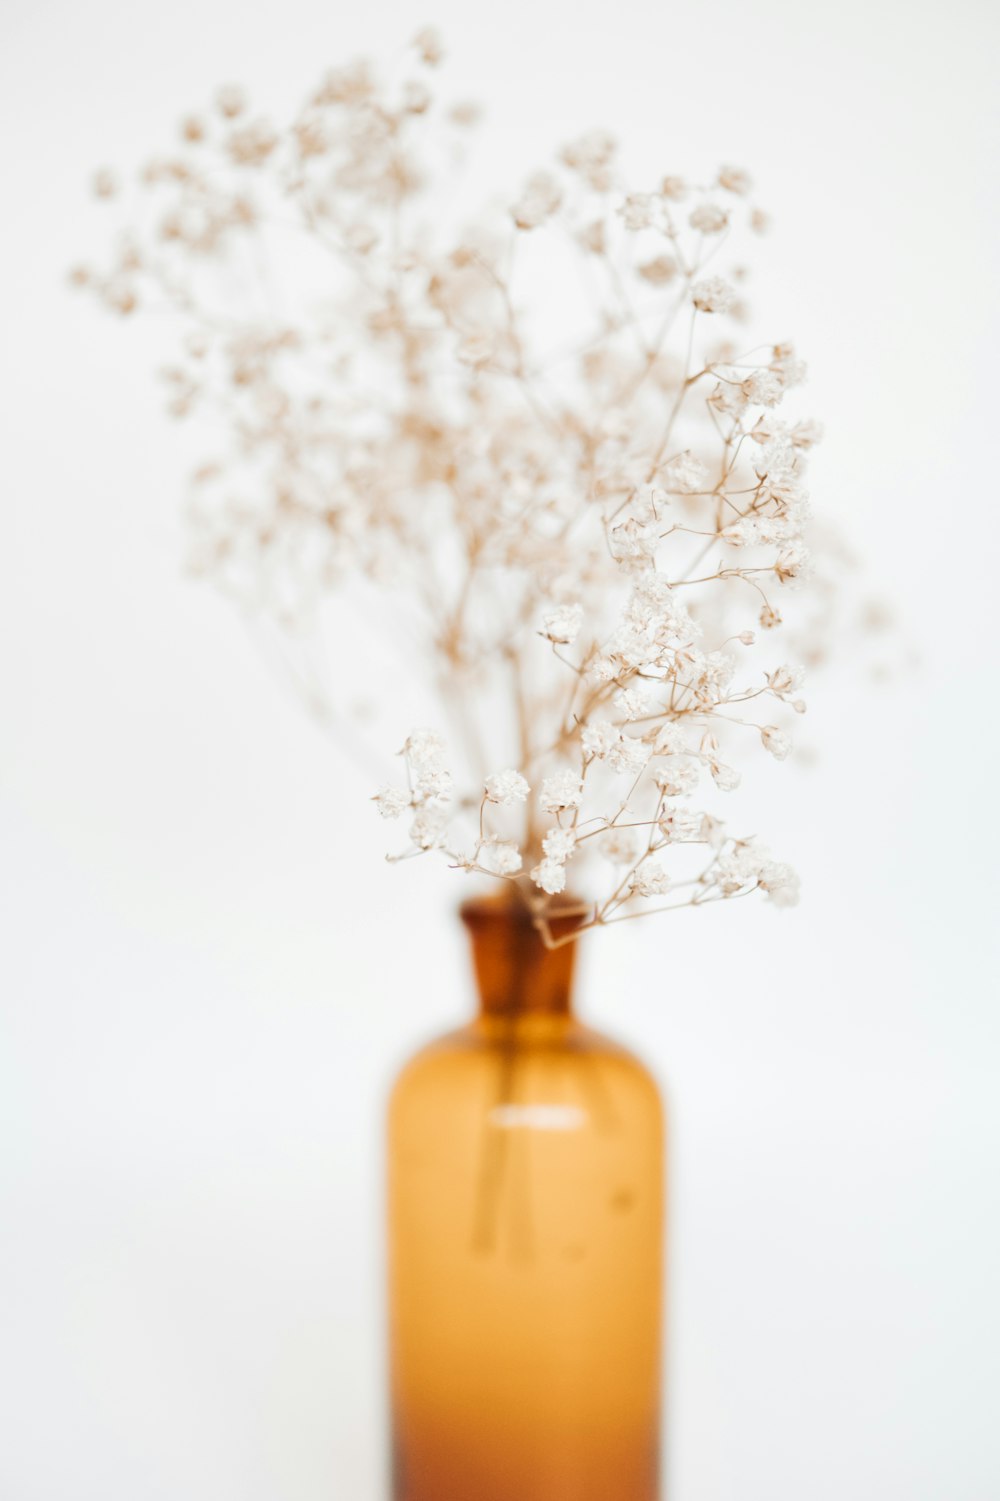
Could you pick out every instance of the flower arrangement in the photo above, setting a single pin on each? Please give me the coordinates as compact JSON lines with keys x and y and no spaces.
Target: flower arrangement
{"x":591,"y":542}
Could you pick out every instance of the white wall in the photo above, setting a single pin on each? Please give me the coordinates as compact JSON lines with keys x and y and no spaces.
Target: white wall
{"x":201,"y":1007}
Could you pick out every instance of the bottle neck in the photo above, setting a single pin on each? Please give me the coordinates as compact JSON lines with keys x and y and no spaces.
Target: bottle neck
{"x":517,"y":976}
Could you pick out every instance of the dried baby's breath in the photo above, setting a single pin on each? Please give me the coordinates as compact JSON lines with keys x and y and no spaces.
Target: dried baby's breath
{"x":587,"y":530}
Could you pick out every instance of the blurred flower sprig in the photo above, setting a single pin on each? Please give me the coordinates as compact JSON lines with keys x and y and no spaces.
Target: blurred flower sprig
{"x":533,"y":428}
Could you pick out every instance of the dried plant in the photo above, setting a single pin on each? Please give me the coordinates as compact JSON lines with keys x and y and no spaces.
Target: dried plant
{"x":592,"y":541}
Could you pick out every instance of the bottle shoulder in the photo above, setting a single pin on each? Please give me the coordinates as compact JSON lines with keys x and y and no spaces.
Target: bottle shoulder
{"x":472,"y":1051}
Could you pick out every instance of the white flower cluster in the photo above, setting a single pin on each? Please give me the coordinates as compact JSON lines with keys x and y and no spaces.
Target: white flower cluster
{"x":429,"y":792}
{"x":588,"y":544}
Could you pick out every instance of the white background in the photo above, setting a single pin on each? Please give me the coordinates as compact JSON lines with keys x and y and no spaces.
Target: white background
{"x":208,"y":972}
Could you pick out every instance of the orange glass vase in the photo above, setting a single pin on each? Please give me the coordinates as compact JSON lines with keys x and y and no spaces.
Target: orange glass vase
{"x":525,"y":1245}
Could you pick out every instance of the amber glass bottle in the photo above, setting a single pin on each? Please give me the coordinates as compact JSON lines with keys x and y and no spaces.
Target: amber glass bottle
{"x":525,"y":1231}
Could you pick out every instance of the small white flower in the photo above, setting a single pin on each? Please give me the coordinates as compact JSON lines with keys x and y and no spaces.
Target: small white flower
{"x":501,"y":856}
{"x":739,"y":867}
{"x":391,"y":801}
{"x":775,"y":741}
{"x":601,"y":669}
{"x":650,"y":879}
{"x":792,"y":370}
{"x":427,"y":828}
{"x":628,"y":754}
{"x":780,"y":883}
{"x":685,"y":472}
{"x":506,"y":787}
{"x":670,"y":740}
{"x":713,"y":294}
{"x":785,"y":680}
{"x":793,"y":563}
{"x":727,"y":397}
{"x":805,"y":434}
{"x":651,"y":597}
{"x":424,"y":752}
{"x":765,"y":430}
{"x":680,"y":825}
{"x":434,"y":782}
{"x":619,"y":846}
{"x":711,"y":674}
{"x":595,"y":148}
{"x":563,"y":625}
{"x":713,"y":831}
{"x":678,"y":776}
{"x":633,"y":703}
{"x":424,"y":748}
{"x":726,"y":778}
{"x":649,"y":502}
{"x":562,"y":790}
{"x":428,"y":43}
{"x":559,"y":844}
{"x":550,"y":875}
{"x":599,"y":738}
{"x":764,"y":388}
{"x":742,"y":533}
{"x":539,"y":201}
{"x":636,"y":645}
{"x":592,"y":156}
{"x":708,"y":219}
{"x":734,"y":180}
{"x":637,"y":211}
{"x":658,"y":271}
{"x":633,"y":540}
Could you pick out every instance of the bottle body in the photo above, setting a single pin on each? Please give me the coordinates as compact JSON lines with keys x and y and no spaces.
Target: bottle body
{"x":525,"y":1265}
